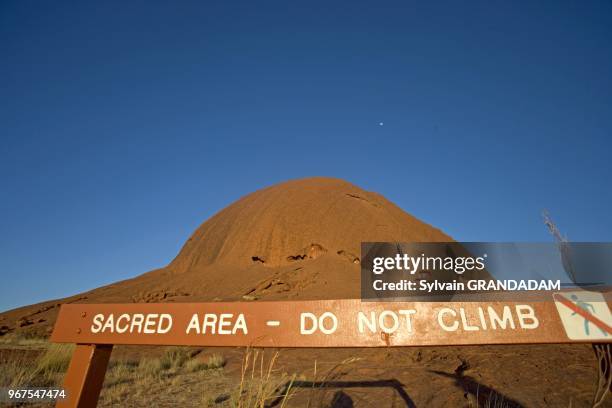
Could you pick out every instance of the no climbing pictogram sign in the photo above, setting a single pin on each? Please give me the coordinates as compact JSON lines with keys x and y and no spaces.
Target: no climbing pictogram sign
{"x":584,"y":315}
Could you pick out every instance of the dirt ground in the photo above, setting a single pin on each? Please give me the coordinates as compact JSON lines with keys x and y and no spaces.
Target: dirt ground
{"x":504,"y":376}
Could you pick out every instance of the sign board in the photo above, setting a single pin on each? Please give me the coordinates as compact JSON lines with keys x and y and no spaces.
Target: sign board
{"x":332,"y":323}
{"x":325,"y":323}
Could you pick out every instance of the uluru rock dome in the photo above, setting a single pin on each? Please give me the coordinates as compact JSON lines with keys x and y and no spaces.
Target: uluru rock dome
{"x":298,"y":220}
{"x":295,"y":240}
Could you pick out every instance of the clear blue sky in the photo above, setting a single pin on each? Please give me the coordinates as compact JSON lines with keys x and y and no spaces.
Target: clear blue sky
{"x":125,"y":126}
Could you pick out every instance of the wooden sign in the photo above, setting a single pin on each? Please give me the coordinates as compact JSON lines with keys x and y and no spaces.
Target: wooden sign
{"x":332,"y":323}
{"x":568,"y":317}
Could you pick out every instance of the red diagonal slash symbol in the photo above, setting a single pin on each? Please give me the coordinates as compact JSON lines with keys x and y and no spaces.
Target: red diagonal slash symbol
{"x":591,"y":318}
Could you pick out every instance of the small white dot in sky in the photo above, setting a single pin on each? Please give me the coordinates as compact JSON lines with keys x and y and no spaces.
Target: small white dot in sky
{"x":381,"y":123}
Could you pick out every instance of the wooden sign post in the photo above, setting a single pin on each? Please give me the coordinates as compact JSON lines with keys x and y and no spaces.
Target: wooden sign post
{"x":85,"y":375}
{"x":329,"y":323}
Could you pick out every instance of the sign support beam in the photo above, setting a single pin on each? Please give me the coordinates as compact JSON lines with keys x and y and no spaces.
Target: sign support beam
{"x":85,"y":375}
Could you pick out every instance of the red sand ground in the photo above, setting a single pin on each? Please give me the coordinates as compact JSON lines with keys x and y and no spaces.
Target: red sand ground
{"x":301,"y":240}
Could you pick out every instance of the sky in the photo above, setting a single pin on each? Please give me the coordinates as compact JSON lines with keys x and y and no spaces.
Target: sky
{"x":123,"y":126}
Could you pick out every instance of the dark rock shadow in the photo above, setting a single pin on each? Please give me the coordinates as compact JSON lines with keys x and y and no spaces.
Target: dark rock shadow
{"x":341,"y":400}
{"x":485,"y":395}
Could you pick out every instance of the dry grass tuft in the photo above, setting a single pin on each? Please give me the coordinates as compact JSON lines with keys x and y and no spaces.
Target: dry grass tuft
{"x":56,"y":359}
{"x":134,"y":380}
{"x":603,"y":352}
{"x":21,"y":338}
{"x":260,"y":386}
{"x":46,"y":371}
{"x":319,"y":394}
{"x":212,"y":362}
{"x":174,"y":358}
{"x":150,"y":367}
{"x":120,"y":372}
